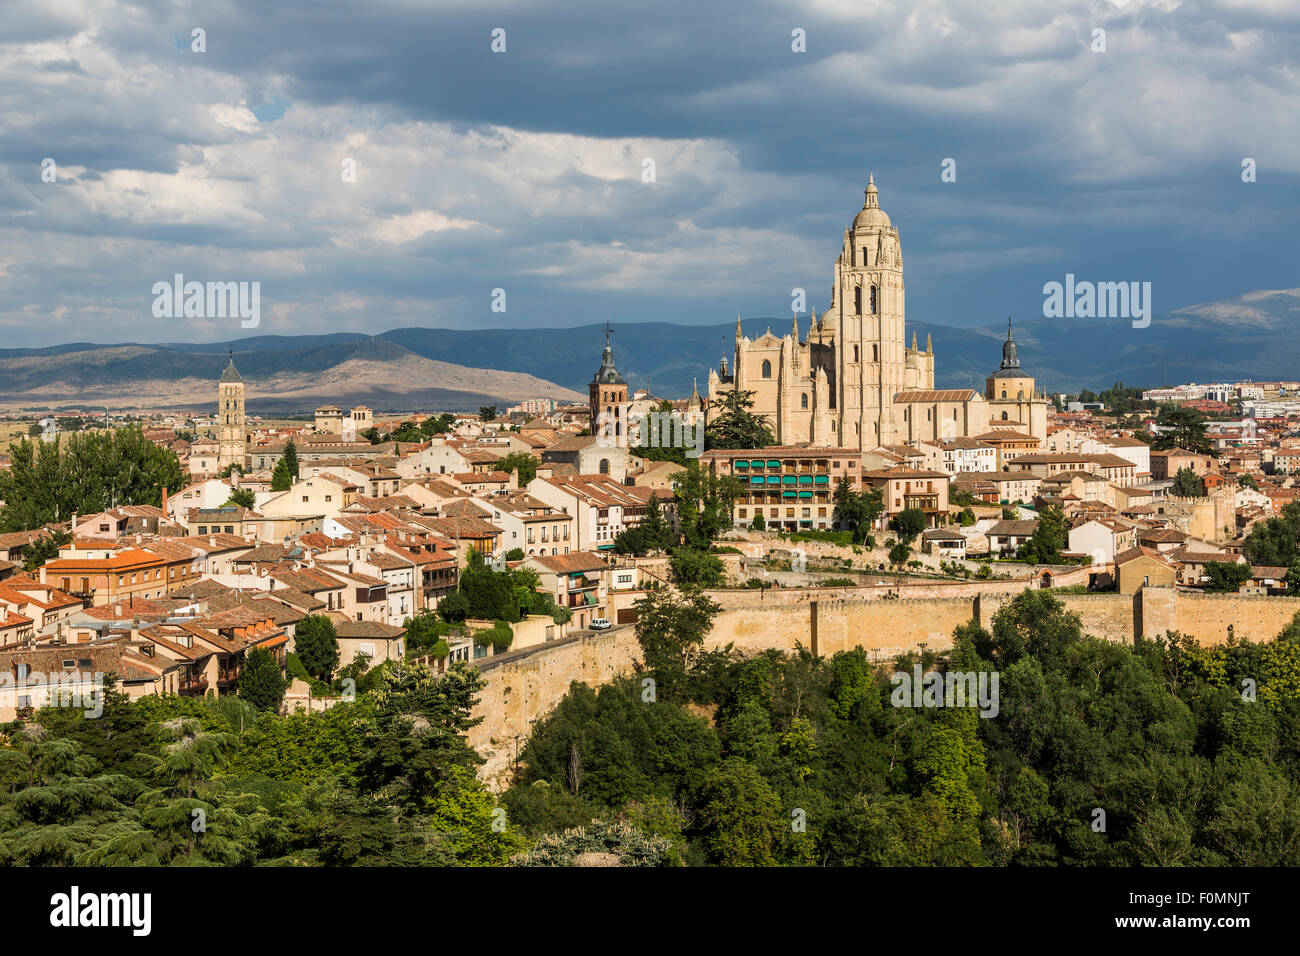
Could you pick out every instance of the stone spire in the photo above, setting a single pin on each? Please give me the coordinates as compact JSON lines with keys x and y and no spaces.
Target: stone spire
{"x":608,"y":372}
{"x":794,"y":327}
{"x":872,"y":200}
{"x":914,"y":348}
{"x":929,"y":348}
{"x":1010,"y":358}
{"x":738,"y":332}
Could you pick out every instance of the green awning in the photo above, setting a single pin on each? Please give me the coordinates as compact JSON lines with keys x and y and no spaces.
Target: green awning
{"x":821,"y":480}
{"x":774,"y":464}
{"x":742,"y":463}
{"x":805,"y":494}
{"x":805,"y":479}
{"x":756,"y":480}
{"x":788,"y":494}
{"x":773,"y":479}
{"x":788,"y":480}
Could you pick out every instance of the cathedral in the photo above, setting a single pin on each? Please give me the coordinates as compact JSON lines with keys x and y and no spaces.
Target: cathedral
{"x":853,"y":382}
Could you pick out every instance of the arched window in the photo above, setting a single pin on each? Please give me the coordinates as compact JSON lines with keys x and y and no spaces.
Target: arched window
{"x":1020,"y":394}
{"x":873,"y":300}
{"x":767,"y":369}
{"x":857,"y":300}
{"x":1004,"y":395}
{"x":604,"y":465}
{"x":803,"y":400}
{"x":1004,"y":416}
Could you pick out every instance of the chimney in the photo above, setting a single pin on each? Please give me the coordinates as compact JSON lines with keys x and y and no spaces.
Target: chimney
{"x":164,"y":500}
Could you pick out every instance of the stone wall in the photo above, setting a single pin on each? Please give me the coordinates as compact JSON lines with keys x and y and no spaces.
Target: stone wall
{"x":523,"y":686}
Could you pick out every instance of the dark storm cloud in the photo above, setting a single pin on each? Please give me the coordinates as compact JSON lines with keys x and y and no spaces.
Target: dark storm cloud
{"x":522,"y":170}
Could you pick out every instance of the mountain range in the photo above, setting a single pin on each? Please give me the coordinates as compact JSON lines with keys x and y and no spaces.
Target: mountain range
{"x":1255,"y":336}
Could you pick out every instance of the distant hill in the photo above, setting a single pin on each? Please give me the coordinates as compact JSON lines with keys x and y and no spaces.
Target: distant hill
{"x":1253,"y":336}
{"x":295,"y":374}
{"x":1256,"y":335}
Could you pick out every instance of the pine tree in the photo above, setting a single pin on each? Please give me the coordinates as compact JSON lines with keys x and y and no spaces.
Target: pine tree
{"x":260,"y":682}
{"x":281,"y":478}
{"x":317,"y":645}
{"x":291,"y":458}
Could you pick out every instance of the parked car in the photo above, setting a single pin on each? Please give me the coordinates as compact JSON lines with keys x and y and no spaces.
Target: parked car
{"x":600,"y":623}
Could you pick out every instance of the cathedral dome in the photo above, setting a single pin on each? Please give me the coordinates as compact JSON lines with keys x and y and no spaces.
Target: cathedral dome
{"x":871,"y":216}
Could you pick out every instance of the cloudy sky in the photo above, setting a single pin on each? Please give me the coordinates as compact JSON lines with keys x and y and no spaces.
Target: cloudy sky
{"x":523,"y":170}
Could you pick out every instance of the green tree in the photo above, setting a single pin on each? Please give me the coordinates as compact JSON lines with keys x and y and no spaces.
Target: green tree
{"x":1188,"y":484}
{"x":692,"y":567}
{"x":740,"y":816}
{"x":317,"y":645}
{"x":1274,"y":542}
{"x":1050,"y":537}
{"x":281,"y":476}
{"x":290,"y":457}
{"x":909,"y":523}
{"x":44,"y":548}
{"x":733,"y":424}
{"x":407,"y":431}
{"x":83,"y":472}
{"x":1181,"y":427}
{"x":260,"y":681}
{"x":671,"y":628}
{"x":437,"y":424}
{"x":1225,"y":576}
{"x":857,"y":511}
{"x":521,"y":463}
{"x":242,"y":498}
{"x":487,"y":413}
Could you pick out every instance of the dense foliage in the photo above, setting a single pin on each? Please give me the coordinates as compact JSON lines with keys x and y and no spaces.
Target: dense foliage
{"x":1163,"y":753}
{"x":733,"y":424}
{"x":83,"y":473}
{"x":386,"y":780}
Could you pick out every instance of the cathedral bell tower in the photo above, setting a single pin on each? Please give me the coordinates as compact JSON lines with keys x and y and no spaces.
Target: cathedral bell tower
{"x":231,"y":435}
{"x":607,"y":392}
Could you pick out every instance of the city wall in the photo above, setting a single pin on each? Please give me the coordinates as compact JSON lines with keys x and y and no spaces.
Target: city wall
{"x":524,"y":686}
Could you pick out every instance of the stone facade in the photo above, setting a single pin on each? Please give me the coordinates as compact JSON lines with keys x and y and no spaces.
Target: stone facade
{"x":853,"y":381}
{"x":232,"y":436}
